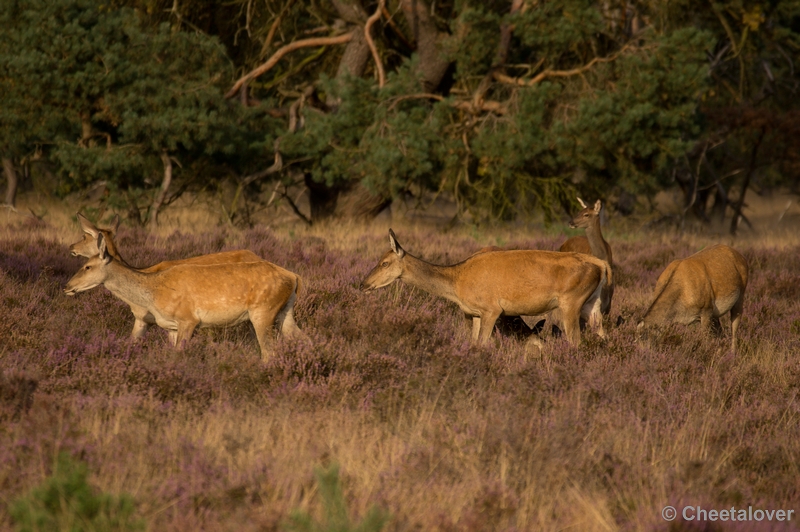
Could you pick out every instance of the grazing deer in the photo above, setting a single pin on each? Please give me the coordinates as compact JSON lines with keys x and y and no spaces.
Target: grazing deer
{"x":592,"y":244}
{"x":187,"y":296}
{"x":514,"y":283}
{"x":701,"y":287}
{"x":87,"y":247}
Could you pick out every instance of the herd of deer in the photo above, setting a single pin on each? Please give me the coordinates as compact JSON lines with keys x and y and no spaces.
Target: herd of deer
{"x":573,"y":284}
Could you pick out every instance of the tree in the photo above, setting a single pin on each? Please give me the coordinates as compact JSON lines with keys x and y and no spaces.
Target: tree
{"x":115,"y":98}
{"x":498,"y":102}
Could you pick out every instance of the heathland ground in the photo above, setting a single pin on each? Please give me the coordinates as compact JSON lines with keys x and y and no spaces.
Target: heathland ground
{"x":439,"y":434}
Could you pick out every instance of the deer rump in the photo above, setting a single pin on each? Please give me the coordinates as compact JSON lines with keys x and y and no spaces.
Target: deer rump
{"x":709,"y":283}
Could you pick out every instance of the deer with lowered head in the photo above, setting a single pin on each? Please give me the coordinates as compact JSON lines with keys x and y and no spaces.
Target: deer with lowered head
{"x":186,"y":296}
{"x":592,"y":244}
{"x":701,"y":288}
{"x":512,"y":283}
{"x":87,"y":247}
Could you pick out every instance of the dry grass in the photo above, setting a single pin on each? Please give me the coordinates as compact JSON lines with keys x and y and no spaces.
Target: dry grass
{"x":444,"y":436}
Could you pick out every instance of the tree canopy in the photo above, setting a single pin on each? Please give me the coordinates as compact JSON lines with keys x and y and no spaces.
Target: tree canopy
{"x":509,"y":106}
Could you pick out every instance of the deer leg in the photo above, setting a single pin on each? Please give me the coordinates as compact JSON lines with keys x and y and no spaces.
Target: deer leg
{"x":570,"y":319}
{"x":139,"y":328}
{"x":476,"y":328}
{"x":263,"y":320}
{"x":591,"y":312}
{"x":286,"y":324}
{"x":184,"y":333}
{"x":487,"y":321}
{"x":736,"y":317}
{"x":139,"y":322}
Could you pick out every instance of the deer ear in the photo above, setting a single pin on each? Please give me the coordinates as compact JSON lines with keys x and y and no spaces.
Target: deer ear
{"x":87,"y":226}
{"x":583,"y":205}
{"x":114,"y":224}
{"x":597,"y":206}
{"x":103,"y":249}
{"x":399,"y":251}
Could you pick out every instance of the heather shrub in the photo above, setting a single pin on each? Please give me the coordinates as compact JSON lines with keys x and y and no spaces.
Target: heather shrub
{"x":66,"y":502}
{"x":334,"y":508}
{"x":441,"y":434}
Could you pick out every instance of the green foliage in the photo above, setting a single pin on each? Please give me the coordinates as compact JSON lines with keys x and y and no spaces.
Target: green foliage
{"x":65,"y":502}
{"x":105,"y":94}
{"x":336,"y":514}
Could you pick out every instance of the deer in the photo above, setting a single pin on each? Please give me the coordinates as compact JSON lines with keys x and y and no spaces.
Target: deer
{"x":592,"y":244}
{"x":187,"y":296}
{"x":513,"y":283}
{"x":701,"y":287}
{"x":87,"y":247}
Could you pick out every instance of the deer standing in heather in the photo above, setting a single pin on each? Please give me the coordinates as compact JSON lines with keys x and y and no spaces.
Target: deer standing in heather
{"x":592,"y":244}
{"x":513,"y":283}
{"x":87,"y":247}
{"x":701,"y":288}
{"x":186,"y":296}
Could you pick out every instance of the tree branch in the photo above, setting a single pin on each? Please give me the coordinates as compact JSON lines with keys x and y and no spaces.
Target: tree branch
{"x":293,"y":205}
{"x":291,"y":47}
{"x":276,"y":167}
{"x":418,"y":96}
{"x":558,"y":73}
{"x":273,"y":28}
{"x":367,"y":27}
{"x":162,"y":193}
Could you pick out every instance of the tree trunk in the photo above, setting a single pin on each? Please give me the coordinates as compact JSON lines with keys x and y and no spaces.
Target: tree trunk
{"x":737,"y":207}
{"x":352,"y":202}
{"x":11,"y":181}
{"x":357,"y":53}
{"x":432,"y":62}
{"x":162,"y":192}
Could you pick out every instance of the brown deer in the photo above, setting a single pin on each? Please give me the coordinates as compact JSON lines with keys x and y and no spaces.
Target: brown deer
{"x":592,"y":244}
{"x":187,"y":296}
{"x":87,"y":247}
{"x":702,"y":288}
{"x":514,"y":283}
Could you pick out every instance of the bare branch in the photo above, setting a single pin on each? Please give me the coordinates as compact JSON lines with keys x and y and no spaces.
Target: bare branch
{"x":272,"y":29}
{"x":276,"y":167}
{"x":558,"y":73}
{"x":162,"y":193}
{"x":367,"y":27}
{"x":293,"y":205}
{"x":418,"y":96}
{"x":291,"y":47}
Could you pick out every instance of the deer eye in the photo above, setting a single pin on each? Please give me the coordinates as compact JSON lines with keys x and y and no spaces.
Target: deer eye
{"x":87,"y":268}
{"x":385,"y":264}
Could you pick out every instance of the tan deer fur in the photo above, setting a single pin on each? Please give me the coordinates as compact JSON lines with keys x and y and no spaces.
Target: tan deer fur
{"x":87,"y":247}
{"x":187,"y":296}
{"x":592,"y":244}
{"x":513,"y":283}
{"x":702,"y":288}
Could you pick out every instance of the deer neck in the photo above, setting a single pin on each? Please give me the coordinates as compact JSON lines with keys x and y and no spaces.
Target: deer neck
{"x":114,"y":252}
{"x":129,"y":285}
{"x":596,"y":242}
{"x":434,"y":279}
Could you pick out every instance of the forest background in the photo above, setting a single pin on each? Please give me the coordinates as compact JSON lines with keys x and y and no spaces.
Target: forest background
{"x":506,"y":107}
